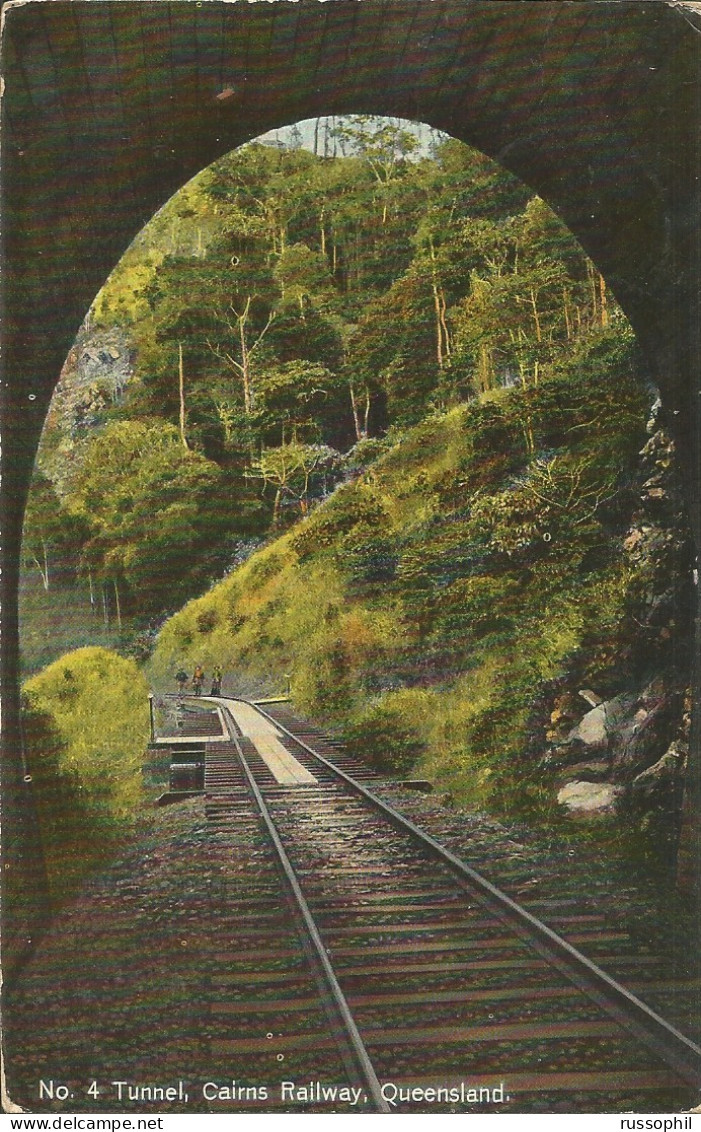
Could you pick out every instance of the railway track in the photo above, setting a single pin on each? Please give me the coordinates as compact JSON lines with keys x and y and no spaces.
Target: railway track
{"x":374,"y":963}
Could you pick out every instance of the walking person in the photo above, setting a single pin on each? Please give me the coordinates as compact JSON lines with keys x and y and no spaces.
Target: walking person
{"x":197,"y":680}
{"x":216,"y":681}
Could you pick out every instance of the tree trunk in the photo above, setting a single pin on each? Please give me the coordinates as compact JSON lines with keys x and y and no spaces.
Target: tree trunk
{"x":439,"y":331}
{"x":485,"y":368}
{"x":528,"y":435}
{"x":45,"y":572}
{"x":443,"y":309}
{"x":116,"y":602}
{"x":442,"y":336}
{"x":181,"y":392}
{"x":361,"y":429}
{"x":105,"y":607}
{"x":245,"y":366}
{"x":603,"y":304}
{"x":566,"y":309}
{"x":276,"y":505}
{"x":92,"y":593}
{"x":43,"y":565}
{"x":592,"y":287}
{"x":354,"y":407}
{"x":536,"y":317}
{"x":358,"y":270}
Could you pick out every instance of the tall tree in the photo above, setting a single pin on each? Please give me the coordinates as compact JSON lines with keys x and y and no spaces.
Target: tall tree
{"x":49,"y":534}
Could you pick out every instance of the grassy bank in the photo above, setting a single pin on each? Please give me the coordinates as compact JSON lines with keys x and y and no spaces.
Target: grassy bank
{"x":86,"y":726}
{"x":429,"y":606}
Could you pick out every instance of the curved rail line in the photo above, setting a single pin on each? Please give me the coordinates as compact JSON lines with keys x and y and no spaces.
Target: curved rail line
{"x":683,"y":1055}
{"x":396,"y":925}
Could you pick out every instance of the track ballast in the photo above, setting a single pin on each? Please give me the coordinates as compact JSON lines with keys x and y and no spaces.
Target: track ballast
{"x":382,"y":973}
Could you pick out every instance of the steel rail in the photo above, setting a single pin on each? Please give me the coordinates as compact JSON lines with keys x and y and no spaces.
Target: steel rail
{"x":359,"y":1053}
{"x":670,"y":1044}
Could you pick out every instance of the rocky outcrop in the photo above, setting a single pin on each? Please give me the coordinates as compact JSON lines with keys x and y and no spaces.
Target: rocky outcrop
{"x":622,"y":747}
{"x":625,"y":756}
{"x":643,"y":736}
{"x":592,"y":731}
{"x":590,"y":799}
{"x":661,"y":781}
{"x":93,"y":380}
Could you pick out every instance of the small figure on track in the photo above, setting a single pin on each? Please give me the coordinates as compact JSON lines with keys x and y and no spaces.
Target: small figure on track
{"x":197,"y":680}
{"x":181,"y":681}
{"x":216,"y":681}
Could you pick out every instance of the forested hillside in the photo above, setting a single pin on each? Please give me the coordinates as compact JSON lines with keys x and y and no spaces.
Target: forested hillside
{"x":280,"y":309}
{"x":446,"y":606}
{"x":381,"y":411}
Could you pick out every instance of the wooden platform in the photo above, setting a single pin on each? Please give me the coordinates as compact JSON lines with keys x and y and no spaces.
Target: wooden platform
{"x":266,"y":739}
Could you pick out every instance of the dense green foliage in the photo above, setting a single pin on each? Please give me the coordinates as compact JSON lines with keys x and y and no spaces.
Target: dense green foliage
{"x":86,"y":725}
{"x":398,"y":376}
{"x":428,"y":604}
{"x":279,"y":310}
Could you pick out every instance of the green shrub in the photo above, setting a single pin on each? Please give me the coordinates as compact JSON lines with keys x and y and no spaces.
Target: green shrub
{"x":262,"y":567}
{"x":349,"y":506}
{"x":472,"y":608}
{"x":207,"y":620}
{"x":86,"y":723}
{"x":367,"y":556}
{"x":386,"y":736}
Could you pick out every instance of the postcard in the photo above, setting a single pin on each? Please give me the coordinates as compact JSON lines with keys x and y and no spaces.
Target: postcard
{"x":350,"y":503}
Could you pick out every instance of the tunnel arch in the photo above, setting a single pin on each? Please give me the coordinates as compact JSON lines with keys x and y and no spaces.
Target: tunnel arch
{"x":109,"y":106}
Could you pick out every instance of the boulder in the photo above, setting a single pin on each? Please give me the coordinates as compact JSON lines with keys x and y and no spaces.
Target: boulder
{"x":591,"y":697}
{"x":660,"y":785}
{"x":590,"y":799}
{"x":643,"y":737}
{"x":633,"y":540}
{"x":592,"y":731}
{"x":597,"y":729}
{"x":654,"y":493}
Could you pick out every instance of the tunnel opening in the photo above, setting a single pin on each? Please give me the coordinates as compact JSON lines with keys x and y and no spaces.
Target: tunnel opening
{"x":630,"y":200}
{"x":481,"y":292}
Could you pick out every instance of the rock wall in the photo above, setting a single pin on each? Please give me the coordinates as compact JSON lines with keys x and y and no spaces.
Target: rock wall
{"x":624,"y":757}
